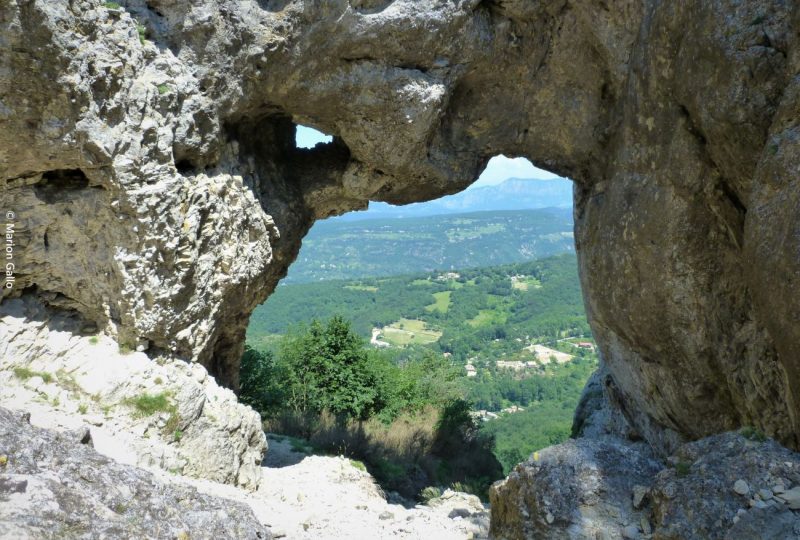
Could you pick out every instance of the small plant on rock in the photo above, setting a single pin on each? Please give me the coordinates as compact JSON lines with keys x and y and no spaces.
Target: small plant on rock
{"x":25,"y":374}
{"x":358,"y":465}
{"x":682,"y":469}
{"x":430,"y":493}
{"x":753,"y":434}
{"x":149,"y":404}
{"x":173,"y":422}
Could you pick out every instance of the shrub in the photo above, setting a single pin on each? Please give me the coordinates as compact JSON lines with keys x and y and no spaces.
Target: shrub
{"x":150,"y":404}
{"x":455,"y":425}
{"x":299,"y":446}
{"x":111,"y":5}
{"x":753,"y":434}
{"x":327,"y":368}
{"x":262,"y":381}
{"x":358,"y":465}
{"x":25,"y":374}
{"x":429,"y":493}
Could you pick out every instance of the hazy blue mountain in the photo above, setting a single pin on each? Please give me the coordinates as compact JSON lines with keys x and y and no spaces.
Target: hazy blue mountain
{"x":513,"y":194}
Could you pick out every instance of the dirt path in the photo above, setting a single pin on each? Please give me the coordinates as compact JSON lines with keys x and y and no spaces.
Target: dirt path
{"x":310,"y":497}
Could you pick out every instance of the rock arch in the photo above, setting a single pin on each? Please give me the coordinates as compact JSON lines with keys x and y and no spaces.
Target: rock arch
{"x":678,"y":122}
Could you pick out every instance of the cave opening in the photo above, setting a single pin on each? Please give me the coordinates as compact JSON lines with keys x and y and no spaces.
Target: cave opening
{"x":459,"y":321}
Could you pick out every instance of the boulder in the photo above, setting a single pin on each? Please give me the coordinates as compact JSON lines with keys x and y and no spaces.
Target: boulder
{"x":53,"y":486}
{"x":198,"y":428}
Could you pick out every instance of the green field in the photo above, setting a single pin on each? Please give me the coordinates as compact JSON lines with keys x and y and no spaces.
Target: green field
{"x":409,"y":332}
{"x":480,"y":314}
{"x":442,"y":303}
{"x":486,"y":317}
{"x":523,"y":283}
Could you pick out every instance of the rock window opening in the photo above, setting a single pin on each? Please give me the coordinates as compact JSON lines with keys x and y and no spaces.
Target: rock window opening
{"x":308,"y":137}
{"x":468,"y":303}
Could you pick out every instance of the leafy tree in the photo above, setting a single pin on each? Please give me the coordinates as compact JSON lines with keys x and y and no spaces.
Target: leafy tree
{"x":327,"y":369}
{"x":260,"y":378}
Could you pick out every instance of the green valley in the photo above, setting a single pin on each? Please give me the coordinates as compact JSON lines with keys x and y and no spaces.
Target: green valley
{"x":347,"y":249}
{"x":511,"y":332}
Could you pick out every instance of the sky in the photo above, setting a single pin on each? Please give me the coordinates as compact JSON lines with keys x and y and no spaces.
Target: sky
{"x":500,"y":167}
{"x":307,"y":137}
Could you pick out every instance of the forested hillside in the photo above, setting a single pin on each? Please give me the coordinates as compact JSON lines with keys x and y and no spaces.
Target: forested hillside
{"x":336,"y":249}
{"x":487,"y":311}
{"x":511,"y":332}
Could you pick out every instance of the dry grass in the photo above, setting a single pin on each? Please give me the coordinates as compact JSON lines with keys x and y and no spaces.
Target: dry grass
{"x":402,"y":455}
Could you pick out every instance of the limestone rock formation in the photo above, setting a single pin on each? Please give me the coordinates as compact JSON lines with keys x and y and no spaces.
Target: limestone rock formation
{"x":155,"y":194}
{"x":149,"y":165}
{"x":581,"y":489}
{"x":165,"y":413}
{"x":607,"y":488}
{"x":54,"y":487}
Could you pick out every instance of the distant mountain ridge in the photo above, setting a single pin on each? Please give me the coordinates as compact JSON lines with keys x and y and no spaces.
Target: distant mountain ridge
{"x":512,"y":194}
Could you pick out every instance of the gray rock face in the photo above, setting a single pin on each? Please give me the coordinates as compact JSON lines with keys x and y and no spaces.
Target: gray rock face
{"x":53,"y":487}
{"x":696,"y":497}
{"x":582,"y":489}
{"x":148,"y":157}
{"x":200,"y":430}
{"x":608,"y":488}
